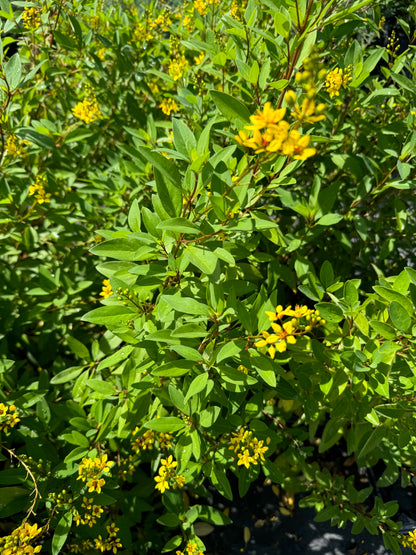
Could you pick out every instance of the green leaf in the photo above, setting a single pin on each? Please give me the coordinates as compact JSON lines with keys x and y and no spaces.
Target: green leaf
{"x":326,"y":274}
{"x":165,"y":424}
{"x":169,"y":194}
{"x":392,"y":295}
{"x":229,"y":349}
{"x":174,"y":368}
{"x":127,"y":248}
{"x":202,"y":258}
{"x":61,"y":533}
{"x":13,"y":71}
{"x":399,"y":316}
{"x":197,"y":385}
{"x":67,"y":375}
{"x":373,"y":441}
{"x":134,"y":217}
{"x":163,"y":165}
{"x":330,"y":312}
{"x":116,"y":357}
{"x":179,"y":225}
{"x":102,"y":387}
{"x":183,"y":137}
{"x":171,"y":520}
{"x":234,"y":110}
{"x":78,"y":348}
{"x":186,"y":305}
{"x":220,"y":481}
{"x":37,"y":138}
{"x":172,"y":544}
{"x":109,"y":315}
{"x":329,"y":219}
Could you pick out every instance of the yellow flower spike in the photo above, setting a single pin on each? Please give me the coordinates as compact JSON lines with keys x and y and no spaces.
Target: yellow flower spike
{"x":106,"y":291}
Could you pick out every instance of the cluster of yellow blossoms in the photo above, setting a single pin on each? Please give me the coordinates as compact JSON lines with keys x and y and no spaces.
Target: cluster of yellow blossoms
{"x":90,"y":471}
{"x":31,"y":18}
{"x":151,"y":28}
{"x":147,"y":440}
{"x":8,"y":417}
{"x":168,"y":105}
{"x":191,"y":548}
{"x":39,"y":191}
{"x":178,"y":66}
{"x":336,"y":79}
{"x":409,"y":540}
{"x":91,"y":513}
{"x":106,"y":290}
{"x":88,"y":110}
{"x":272,"y":135}
{"x":248,"y":448}
{"x":111,"y":543}
{"x":202,"y":6}
{"x":302,"y":320}
{"x":19,"y":541}
{"x":167,"y":475}
{"x":15,"y":147}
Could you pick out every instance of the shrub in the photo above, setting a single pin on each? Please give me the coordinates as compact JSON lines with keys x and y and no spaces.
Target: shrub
{"x":244,"y":170}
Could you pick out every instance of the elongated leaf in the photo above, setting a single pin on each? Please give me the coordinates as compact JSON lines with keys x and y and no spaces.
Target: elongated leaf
{"x":180,"y":225}
{"x":61,"y":532}
{"x":186,"y":305}
{"x":163,"y":165}
{"x":202,"y":258}
{"x":234,"y":110}
{"x":166,"y":424}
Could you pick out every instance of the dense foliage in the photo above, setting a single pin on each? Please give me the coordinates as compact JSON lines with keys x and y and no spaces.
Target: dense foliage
{"x":207,"y":224}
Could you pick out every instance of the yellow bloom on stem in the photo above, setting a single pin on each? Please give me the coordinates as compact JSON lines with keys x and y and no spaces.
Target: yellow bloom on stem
{"x":88,"y":110}
{"x":296,"y":146}
{"x":31,"y":18}
{"x":248,"y":448}
{"x":162,"y":483}
{"x":267,"y":116}
{"x":168,"y":105}
{"x":336,"y":79}
{"x":309,"y":112}
{"x":38,"y":190}
{"x":106,"y":291}
{"x":280,"y":312}
{"x":279,"y":339}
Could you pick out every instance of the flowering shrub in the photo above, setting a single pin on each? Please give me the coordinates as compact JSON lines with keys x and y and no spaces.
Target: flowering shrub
{"x":174,"y":180}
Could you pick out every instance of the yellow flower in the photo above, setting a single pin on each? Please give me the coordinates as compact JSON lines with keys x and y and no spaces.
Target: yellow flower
{"x":336,"y":79}
{"x":279,"y":339}
{"x":249,"y":449}
{"x":169,"y":462}
{"x":8,"y":417}
{"x":106,"y":291}
{"x":178,"y":66}
{"x":87,"y":110}
{"x":280,"y":312}
{"x":15,"y":147}
{"x":168,"y":105}
{"x":161,"y":482}
{"x":31,"y":18}
{"x":199,"y":59}
{"x":267,"y":116}
{"x":201,"y":6}
{"x":38,"y":190}
{"x":296,"y":146}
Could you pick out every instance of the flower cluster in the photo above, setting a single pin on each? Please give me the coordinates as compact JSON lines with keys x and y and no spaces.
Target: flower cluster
{"x":31,"y":18}
{"x":147,"y":440}
{"x":409,"y":540}
{"x":88,"y":110}
{"x":15,"y":146}
{"x":39,"y":191}
{"x":168,"y":105}
{"x":106,"y":291}
{"x":191,"y":548}
{"x":302,"y":320}
{"x":91,"y":513}
{"x":237,"y":9}
{"x":336,"y":79}
{"x":111,"y":543}
{"x":8,"y":417}
{"x":272,"y":135}
{"x":247,"y":447}
{"x":90,"y":471}
{"x":19,"y":541}
{"x":178,"y":66}
{"x":61,"y":499}
{"x":167,"y":475}
{"x":393,"y":45}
